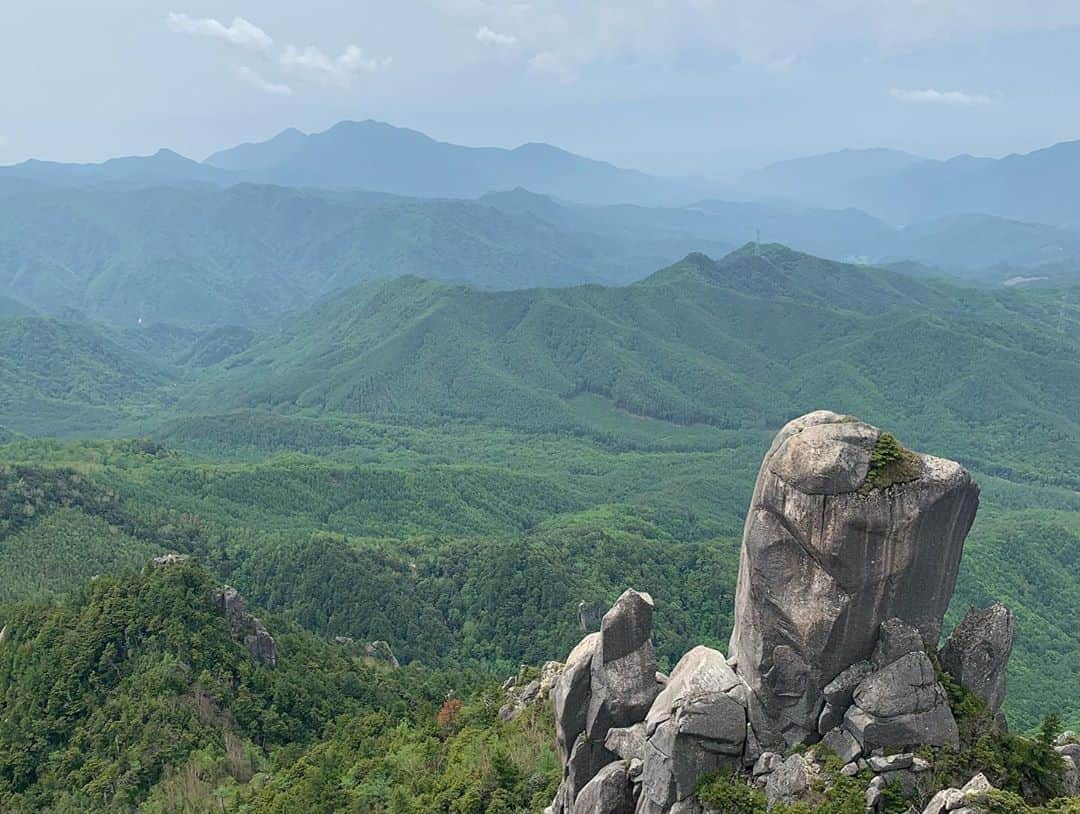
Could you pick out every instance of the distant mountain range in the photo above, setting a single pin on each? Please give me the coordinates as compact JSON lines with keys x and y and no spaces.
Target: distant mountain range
{"x":375,"y":156}
{"x":900,"y":188}
{"x":891,"y":185}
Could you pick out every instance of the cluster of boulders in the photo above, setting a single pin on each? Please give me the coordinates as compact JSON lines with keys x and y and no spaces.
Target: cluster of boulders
{"x":521,"y":692}
{"x":849,"y":561}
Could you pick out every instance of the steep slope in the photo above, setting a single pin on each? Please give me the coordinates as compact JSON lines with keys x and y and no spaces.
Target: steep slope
{"x":378,"y":156}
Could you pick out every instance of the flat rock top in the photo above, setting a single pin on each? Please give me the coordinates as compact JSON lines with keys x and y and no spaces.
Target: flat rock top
{"x":829,"y":459}
{"x":826,"y":453}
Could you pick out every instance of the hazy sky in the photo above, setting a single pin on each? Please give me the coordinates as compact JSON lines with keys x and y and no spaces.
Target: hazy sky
{"x":688,"y":86}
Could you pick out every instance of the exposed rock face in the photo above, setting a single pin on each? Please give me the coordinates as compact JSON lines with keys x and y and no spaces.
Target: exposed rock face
{"x":607,"y":686}
{"x":623,"y":667}
{"x":245,"y":627}
{"x":380,"y":651}
{"x":696,"y":726}
{"x":977,"y":652}
{"x":608,"y":793}
{"x":826,"y":559}
{"x":902,"y":705}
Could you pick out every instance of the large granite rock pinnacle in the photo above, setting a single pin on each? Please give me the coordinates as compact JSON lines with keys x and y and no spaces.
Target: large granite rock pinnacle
{"x":977,"y":652}
{"x":833,"y":546}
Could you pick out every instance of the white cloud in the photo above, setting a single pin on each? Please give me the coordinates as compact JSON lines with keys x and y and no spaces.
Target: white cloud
{"x":929,"y":96}
{"x":489,"y":37}
{"x":769,"y":34}
{"x":257,"y":80}
{"x":240,"y":32}
{"x":315,"y":64}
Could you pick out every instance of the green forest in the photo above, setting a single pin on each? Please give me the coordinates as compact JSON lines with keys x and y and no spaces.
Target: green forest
{"x":453,"y":471}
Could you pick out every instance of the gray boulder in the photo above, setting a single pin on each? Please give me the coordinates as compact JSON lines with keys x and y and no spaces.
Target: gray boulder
{"x":843,"y":743}
{"x":623,"y":682}
{"x":696,"y":726}
{"x":827,"y":557}
{"x":896,"y":638}
{"x":841,"y":689}
{"x":609,"y":792}
{"x":571,"y":693}
{"x":789,"y":781}
{"x":977,"y":652}
{"x":627,"y":742}
{"x":902,"y":705}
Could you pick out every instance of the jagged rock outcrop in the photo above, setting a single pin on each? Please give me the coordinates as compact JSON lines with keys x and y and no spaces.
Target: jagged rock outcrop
{"x":977,"y":652}
{"x":845,"y":531}
{"x":381,"y":651}
{"x":608,"y":683}
{"x":245,"y":627}
{"x":696,"y":726}
{"x":849,"y":560}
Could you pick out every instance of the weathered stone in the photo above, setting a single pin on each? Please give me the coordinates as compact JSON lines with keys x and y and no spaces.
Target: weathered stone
{"x":586,"y":759}
{"x":571,"y":693}
{"x":977,"y":652}
{"x":627,"y":742}
{"x":1070,"y":776}
{"x":790,"y":780}
{"x":920,"y":765}
{"x":165,"y":560}
{"x":936,"y":727}
{"x":907,"y":685}
{"x":609,"y":792}
{"x":825,"y":561}
{"x":767,"y":763}
{"x":751,"y":749}
{"x":380,"y":651}
{"x":896,"y":638}
{"x":244,"y":627}
{"x":830,"y":718}
{"x":549,"y":676}
{"x":976,"y":785}
{"x":634,"y":768}
{"x":702,"y":673}
{"x":842,"y":742}
{"x":891,"y":763}
{"x":840,"y":690}
{"x":941,"y":801}
{"x":623,"y":683}
{"x":849,"y":769}
{"x":518,"y":700}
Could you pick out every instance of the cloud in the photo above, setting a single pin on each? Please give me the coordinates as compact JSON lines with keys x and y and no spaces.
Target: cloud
{"x":241,"y":32}
{"x":554,"y":64}
{"x":256,"y":80}
{"x":768,"y":34}
{"x":929,"y":96}
{"x":489,"y":37}
{"x":315,"y":64}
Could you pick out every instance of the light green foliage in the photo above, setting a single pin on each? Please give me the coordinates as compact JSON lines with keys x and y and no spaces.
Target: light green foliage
{"x":730,"y":794}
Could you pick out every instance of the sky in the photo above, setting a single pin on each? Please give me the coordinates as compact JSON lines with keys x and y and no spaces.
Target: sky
{"x":695,"y":87}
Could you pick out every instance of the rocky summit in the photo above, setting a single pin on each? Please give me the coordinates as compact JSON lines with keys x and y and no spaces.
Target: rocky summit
{"x":846,"y":530}
{"x":849,"y":560}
